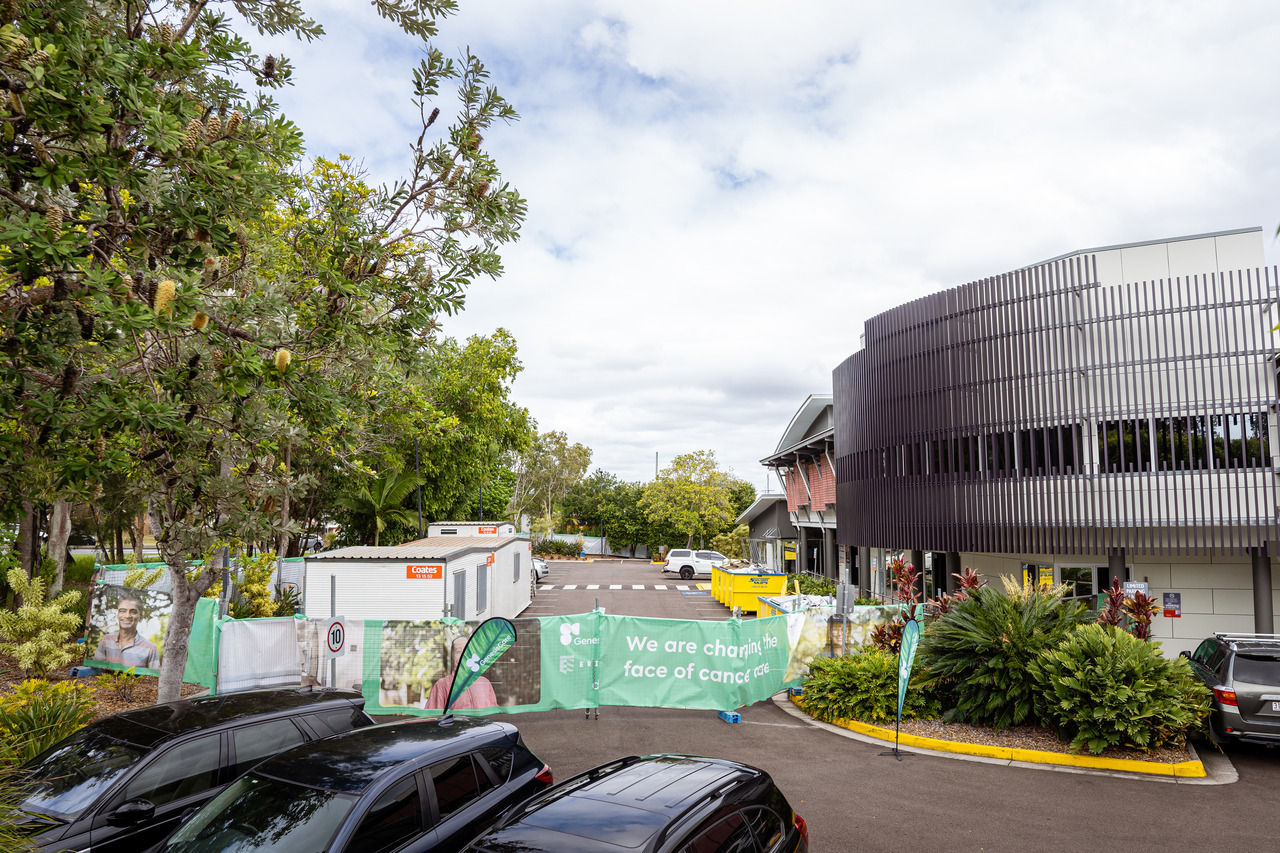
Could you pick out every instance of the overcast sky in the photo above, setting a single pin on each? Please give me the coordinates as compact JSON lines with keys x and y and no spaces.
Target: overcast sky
{"x":721,"y":193}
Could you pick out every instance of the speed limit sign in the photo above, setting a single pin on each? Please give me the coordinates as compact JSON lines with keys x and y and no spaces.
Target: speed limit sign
{"x":335,"y":638}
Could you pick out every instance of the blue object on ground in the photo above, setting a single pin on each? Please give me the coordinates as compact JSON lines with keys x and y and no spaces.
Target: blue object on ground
{"x":731,"y":716}
{"x":84,"y":671}
{"x":796,"y":691}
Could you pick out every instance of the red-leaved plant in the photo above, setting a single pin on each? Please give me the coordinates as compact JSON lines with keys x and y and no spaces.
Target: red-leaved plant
{"x":1113,"y":613}
{"x":1141,"y":608}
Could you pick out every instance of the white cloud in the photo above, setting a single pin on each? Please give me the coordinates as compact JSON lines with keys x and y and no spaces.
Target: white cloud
{"x":721,"y":193}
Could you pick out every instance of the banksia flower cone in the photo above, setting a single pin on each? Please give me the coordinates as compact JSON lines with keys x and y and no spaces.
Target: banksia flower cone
{"x":165,"y":293}
{"x":39,"y":57}
{"x":42,"y":153}
{"x":283,"y":357}
{"x":53,"y":218}
{"x":199,"y":321}
{"x":166,"y":34}
{"x":195,"y":132}
{"x":18,"y":48}
{"x":233,"y":121}
{"x":212,"y":128}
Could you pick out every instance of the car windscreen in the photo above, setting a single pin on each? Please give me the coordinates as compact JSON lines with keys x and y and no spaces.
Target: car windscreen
{"x":66,"y":779}
{"x":1257,"y":669}
{"x":261,"y":813}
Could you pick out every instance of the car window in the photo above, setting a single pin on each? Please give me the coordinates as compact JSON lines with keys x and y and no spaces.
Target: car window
{"x":1204,"y":651}
{"x":68,"y":778}
{"x":1218,"y":661}
{"x":679,"y":553}
{"x":394,"y":818}
{"x":455,"y":781}
{"x":730,"y":835}
{"x":709,"y":555}
{"x":500,"y":760}
{"x":766,"y":825}
{"x":256,"y":742}
{"x":186,"y":770}
{"x":338,"y":720}
{"x":255,"y":814}
{"x":1257,"y":669}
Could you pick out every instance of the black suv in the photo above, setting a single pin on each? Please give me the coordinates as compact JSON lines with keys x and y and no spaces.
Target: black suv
{"x":656,"y":804}
{"x":123,"y":782}
{"x":1243,"y":671}
{"x":409,"y":787}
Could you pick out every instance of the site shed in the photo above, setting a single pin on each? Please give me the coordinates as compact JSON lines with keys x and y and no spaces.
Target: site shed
{"x":470,"y":528}
{"x":467,"y":577}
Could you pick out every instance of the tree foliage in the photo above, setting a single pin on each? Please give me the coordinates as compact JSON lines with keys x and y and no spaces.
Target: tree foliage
{"x":544,"y":474}
{"x":691,"y":497}
{"x":179,"y":303}
{"x":40,"y":634}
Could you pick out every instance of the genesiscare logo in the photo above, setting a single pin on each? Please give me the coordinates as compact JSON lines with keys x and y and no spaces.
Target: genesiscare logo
{"x":570,"y":635}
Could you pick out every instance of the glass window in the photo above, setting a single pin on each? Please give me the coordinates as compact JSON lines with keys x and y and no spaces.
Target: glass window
{"x":394,"y":818}
{"x":74,"y":774}
{"x":766,"y":825}
{"x":1257,"y":454}
{"x":730,"y":835}
{"x":184,"y":771}
{"x":256,"y":742}
{"x":516,"y":576}
{"x":258,"y":814}
{"x":1203,"y":651}
{"x":500,"y":761}
{"x":1219,"y":442}
{"x":455,"y":781}
{"x":1080,"y":579}
{"x":338,"y":720}
{"x":1257,"y":669}
{"x":482,"y":588}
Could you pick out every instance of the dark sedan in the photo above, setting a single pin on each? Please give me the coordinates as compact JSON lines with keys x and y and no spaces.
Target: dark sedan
{"x":657,"y":804}
{"x":122,"y":783}
{"x":406,"y":786}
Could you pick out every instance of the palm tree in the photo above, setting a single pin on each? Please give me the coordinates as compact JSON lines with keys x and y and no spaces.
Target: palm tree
{"x":381,"y":500}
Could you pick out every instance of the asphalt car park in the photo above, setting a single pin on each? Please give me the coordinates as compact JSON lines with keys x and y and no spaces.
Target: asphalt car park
{"x":854,"y":798}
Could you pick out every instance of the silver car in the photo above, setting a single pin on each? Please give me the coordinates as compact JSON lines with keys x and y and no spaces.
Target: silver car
{"x":1243,"y":671}
{"x":539,"y":568}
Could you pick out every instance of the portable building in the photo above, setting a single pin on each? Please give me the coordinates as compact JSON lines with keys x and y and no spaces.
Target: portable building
{"x":468,"y":577}
{"x":470,"y":528}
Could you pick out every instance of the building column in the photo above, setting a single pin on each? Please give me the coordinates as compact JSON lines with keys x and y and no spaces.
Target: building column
{"x":1115,"y":568}
{"x":830,"y":563}
{"x":953,"y":568}
{"x":917,"y":560}
{"x":864,"y":571}
{"x":802,"y":550}
{"x":1263,"y":612}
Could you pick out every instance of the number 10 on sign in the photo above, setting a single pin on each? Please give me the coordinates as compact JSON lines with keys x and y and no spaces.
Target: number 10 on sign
{"x":335,"y":638}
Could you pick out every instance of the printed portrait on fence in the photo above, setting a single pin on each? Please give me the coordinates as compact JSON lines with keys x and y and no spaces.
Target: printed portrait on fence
{"x":419,"y":659}
{"x":126,"y":627}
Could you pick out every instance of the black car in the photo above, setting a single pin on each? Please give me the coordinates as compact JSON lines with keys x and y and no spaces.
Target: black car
{"x":656,"y":804}
{"x":1243,"y":671}
{"x":429,"y":784}
{"x":123,"y":782}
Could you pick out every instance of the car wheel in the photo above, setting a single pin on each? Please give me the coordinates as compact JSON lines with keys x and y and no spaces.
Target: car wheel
{"x":686,"y":573}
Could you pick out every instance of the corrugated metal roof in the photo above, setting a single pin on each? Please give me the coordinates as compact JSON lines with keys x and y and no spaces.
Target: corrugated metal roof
{"x":431,"y":548}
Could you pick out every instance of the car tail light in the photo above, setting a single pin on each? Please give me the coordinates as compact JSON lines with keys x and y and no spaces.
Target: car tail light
{"x":801,"y":826}
{"x":544,"y":775}
{"x":1225,"y":696}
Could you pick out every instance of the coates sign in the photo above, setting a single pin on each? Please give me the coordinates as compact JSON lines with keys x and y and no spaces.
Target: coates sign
{"x":484,"y":530}
{"x":431,"y":571}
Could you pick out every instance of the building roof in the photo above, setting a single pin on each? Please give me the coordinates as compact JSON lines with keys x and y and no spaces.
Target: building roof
{"x":430,"y":548}
{"x":800,"y":435}
{"x":1227,"y":233}
{"x":762,"y":502}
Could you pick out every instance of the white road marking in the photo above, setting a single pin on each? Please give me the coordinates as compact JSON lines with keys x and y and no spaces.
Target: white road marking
{"x":593,"y":586}
{"x":570,"y":586}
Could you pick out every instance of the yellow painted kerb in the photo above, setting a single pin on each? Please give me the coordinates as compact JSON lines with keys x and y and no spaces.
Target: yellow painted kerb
{"x":1181,"y":770}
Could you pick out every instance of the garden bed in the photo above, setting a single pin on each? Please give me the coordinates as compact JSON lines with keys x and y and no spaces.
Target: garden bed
{"x":107,"y":701}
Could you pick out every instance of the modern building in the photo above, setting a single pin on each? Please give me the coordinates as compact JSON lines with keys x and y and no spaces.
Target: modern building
{"x":771,"y":536}
{"x":1110,"y":413}
{"x":804,"y":461}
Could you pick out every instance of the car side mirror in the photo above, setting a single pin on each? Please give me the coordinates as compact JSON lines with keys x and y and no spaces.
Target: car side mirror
{"x":1185,"y":654}
{"x":132,"y":812}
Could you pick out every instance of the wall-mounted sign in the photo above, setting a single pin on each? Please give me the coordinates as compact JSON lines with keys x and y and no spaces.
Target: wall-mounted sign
{"x":488,"y":561}
{"x":431,"y":571}
{"x":489,"y":530}
{"x":1132,"y":587}
{"x":1172,"y":605}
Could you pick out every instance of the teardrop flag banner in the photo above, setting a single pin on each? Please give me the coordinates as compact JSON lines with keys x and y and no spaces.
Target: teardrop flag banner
{"x":906,"y":656}
{"x":487,"y":643}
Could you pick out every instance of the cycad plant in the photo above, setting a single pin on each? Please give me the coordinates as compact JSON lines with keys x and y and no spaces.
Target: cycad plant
{"x":982,"y":647}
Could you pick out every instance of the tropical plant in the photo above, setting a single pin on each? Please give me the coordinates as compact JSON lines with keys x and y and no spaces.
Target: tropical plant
{"x":550,"y":547}
{"x":118,"y":683}
{"x":37,"y":714}
{"x":288,"y":601}
{"x":981,"y":649}
{"x":863,"y":687}
{"x":1103,"y":688}
{"x":1141,"y":609}
{"x":1113,"y":612}
{"x":40,"y":634}
{"x":379,"y":503}
{"x":813,"y":585}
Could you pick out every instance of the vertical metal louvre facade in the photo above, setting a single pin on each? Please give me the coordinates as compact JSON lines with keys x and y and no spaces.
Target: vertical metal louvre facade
{"x":1043,"y":412}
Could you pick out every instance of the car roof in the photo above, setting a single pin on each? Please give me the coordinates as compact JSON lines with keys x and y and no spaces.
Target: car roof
{"x":350,"y":762}
{"x":156,"y":723}
{"x":621,"y":805}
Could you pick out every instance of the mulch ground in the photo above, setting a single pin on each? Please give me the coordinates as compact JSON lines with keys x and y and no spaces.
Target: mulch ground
{"x":107,"y":700}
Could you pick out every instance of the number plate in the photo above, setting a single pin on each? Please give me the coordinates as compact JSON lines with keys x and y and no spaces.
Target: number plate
{"x":1275,"y":706}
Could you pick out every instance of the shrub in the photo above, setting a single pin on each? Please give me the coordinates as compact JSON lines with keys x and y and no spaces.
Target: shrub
{"x":1102,"y":687}
{"x":40,"y":634}
{"x":863,"y":687}
{"x":37,"y":714}
{"x":118,"y":683}
{"x":981,"y":648}
{"x":810,"y":585}
{"x":547,"y":547}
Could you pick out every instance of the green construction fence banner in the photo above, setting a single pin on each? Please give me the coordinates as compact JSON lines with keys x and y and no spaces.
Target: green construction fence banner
{"x":592,"y":659}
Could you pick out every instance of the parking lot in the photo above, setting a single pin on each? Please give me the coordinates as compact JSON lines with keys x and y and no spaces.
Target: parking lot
{"x":854,"y":798}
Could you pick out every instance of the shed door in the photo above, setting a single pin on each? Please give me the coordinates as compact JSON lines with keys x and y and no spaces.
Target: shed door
{"x":460,"y":595}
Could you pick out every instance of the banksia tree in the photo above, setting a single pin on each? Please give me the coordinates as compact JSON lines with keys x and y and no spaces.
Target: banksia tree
{"x":166,"y":291}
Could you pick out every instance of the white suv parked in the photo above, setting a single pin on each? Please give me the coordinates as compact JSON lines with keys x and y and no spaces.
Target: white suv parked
{"x":688,"y":563}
